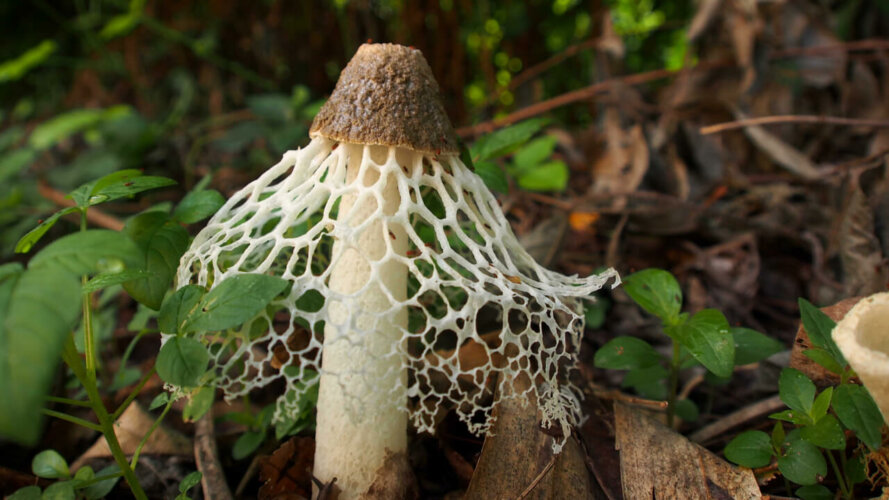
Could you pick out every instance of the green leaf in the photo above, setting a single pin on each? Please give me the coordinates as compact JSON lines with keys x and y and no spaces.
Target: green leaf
{"x":648,"y":382}
{"x":182,"y":361}
{"x":160,"y":400}
{"x":626,"y":353}
{"x":778,"y":436}
{"x":503,"y":140}
{"x":84,"y":252}
{"x":247,"y":444}
{"x":128,"y":187}
{"x":533,"y":154}
{"x":792,"y":416}
{"x":122,"y":24}
{"x":102,"y":488}
{"x":111,"y":278}
{"x":59,"y":491}
{"x":16,"y":68}
{"x":815,"y":492}
{"x":857,"y":411}
{"x":10,"y":136}
{"x":493,"y":176}
{"x":199,"y":403}
{"x":821,"y":404}
{"x":819,"y":326}
{"x":61,"y":126}
{"x":752,"y":346}
{"x":825,"y":433}
{"x":178,"y":308}
{"x":239,"y":136}
{"x":856,"y":471}
{"x":594,"y":312}
{"x":28,"y":241}
{"x":802,"y":463}
{"x":36,"y":317}
{"x":49,"y":464}
{"x":824,"y":359}
{"x":190,"y":481}
{"x":83,"y":193}
{"x":750,"y":449}
{"x":550,"y":176}
{"x":163,"y":242}
{"x":12,"y":163}
{"x":687,"y":410}
{"x":656,"y":291}
{"x":274,"y":108}
{"x":198,"y":205}
{"x":26,"y":493}
{"x":796,"y":390}
{"x":236,"y":300}
{"x":707,"y":337}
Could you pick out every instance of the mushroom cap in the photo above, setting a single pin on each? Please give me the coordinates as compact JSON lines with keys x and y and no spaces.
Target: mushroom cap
{"x":387,"y":96}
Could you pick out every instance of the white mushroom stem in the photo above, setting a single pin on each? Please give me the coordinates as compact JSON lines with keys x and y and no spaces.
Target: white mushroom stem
{"x":863,"y":337}
{"x":353,"y":447}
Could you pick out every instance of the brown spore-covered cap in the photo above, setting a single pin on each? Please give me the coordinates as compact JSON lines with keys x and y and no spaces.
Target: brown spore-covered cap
{"x":387,"y":95}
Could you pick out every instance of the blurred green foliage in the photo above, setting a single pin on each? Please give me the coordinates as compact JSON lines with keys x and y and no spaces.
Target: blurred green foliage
{"x":184,"y":89}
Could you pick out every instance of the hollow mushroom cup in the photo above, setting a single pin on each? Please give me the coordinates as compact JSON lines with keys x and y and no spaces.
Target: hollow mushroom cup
{"x":863,"y":337}
{"x":399,"y":257}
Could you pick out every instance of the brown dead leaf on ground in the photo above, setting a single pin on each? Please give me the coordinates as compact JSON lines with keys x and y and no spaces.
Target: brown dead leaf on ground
{"x":287,"y":473}
{"x":623,"y":165}
{"x":656,"y":462}
{"x":517,"y":460}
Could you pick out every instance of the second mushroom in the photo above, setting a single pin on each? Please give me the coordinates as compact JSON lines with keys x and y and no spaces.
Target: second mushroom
{"x":398,"y":256}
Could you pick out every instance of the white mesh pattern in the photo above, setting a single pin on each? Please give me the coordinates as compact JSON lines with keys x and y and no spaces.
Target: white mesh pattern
{"x":465,"y":272}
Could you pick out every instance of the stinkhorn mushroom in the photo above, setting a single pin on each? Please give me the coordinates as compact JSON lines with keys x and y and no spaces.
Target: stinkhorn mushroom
{"x":397,"y":253}
{"x":863,"y":337}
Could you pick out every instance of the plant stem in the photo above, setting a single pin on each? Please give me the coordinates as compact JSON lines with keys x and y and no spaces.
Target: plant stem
{"x":135,"y":392}
{"x":106,"y":424}
{"x":841,"y":479}
{"x":69,"y":401}
{"x":674,"y":384}
{"x":89,"y":348}
{"x":71,"y":418}
{"x":148,"y":434}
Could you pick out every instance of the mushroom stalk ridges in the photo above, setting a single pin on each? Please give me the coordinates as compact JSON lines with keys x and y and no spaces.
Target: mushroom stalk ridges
{"x":398,"y":255}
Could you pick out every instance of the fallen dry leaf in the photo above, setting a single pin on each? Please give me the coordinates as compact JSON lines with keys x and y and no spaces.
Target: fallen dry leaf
{"x":286,"y":473}
{"x":656,"y":462}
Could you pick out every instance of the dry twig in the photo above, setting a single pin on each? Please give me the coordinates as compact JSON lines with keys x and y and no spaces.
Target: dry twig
{"x":733,"y":419}
{"x":771,"y":120}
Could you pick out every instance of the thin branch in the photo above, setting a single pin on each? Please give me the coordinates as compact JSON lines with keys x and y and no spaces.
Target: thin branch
{"x":733,"y":419}
{"x":600,"y":87}
{"x":543,"y":66}
{"x":854,"y":46}
{"x":563,"y":100}
{"x":771,"y":120}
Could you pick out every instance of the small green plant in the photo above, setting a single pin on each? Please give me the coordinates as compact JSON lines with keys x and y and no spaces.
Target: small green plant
{"x":819,"y":422}
{"x":85,"y":483}
{"x":42,"y":304}
{"x":188,"y":482}
{"x":704,"y":338}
